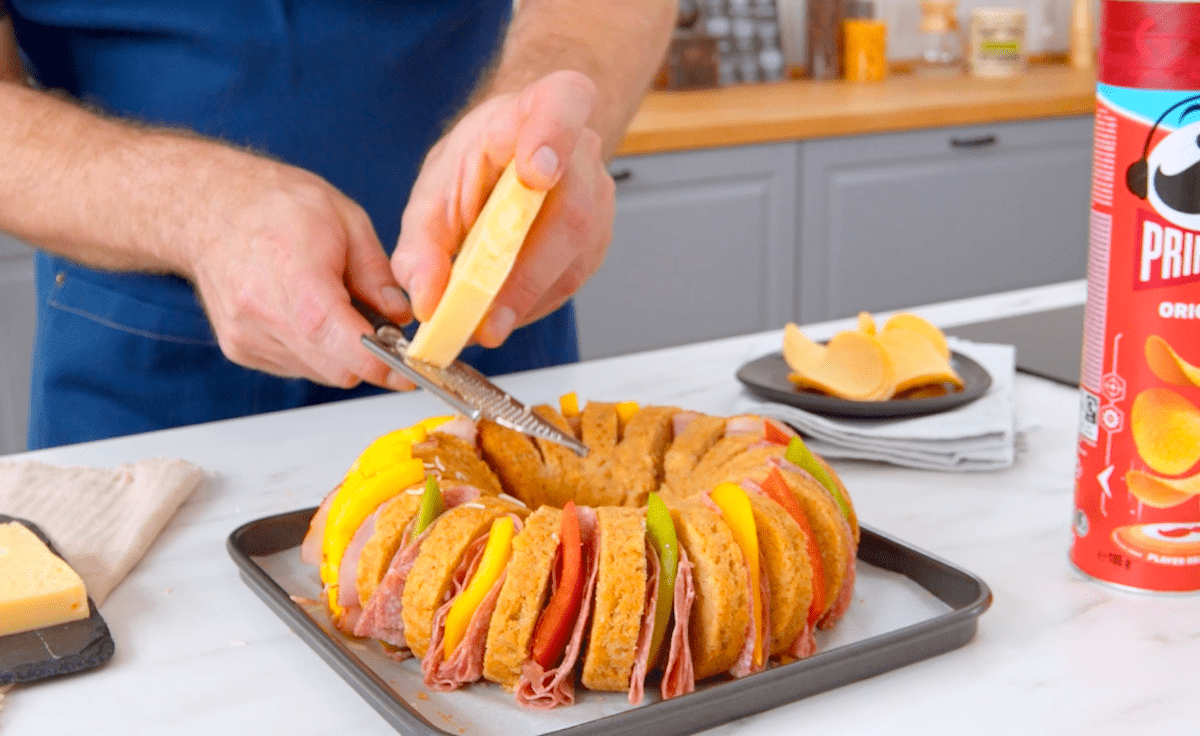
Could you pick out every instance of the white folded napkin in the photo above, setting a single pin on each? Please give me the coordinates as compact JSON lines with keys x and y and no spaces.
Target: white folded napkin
{"x":976,"y":436}
{"x":100,"y":520}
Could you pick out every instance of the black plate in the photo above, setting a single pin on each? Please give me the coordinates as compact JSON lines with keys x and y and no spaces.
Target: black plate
{"x":964,"y":595}
{"x":768,"y":377}
{"x":54,"y":650}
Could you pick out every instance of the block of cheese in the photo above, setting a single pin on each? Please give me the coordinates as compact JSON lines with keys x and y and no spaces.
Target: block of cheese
{"x":483,"y":263}
{"x":37,"y":588}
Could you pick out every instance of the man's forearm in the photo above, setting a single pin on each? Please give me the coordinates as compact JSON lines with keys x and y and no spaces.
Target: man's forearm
{"x":619,"y":44}
{"x":95,"y":190}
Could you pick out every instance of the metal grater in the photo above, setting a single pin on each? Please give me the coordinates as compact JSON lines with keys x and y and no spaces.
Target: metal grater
{"x":465,"y":389}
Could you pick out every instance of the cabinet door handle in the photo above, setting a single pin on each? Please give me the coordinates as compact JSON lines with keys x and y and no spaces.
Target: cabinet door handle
{"x":621,"y":175}
{"x":982,"y":141}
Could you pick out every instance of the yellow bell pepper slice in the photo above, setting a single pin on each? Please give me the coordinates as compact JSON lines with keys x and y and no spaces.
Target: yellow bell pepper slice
{"x":569,"y":405}
{"x":625,"y":412}
{"x":387,"y":449}
{"x":736,"y":509}
{"x":495,"y":557}
{"x":351,"y":506}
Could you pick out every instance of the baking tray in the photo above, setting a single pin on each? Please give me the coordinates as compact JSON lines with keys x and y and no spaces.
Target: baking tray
{"x":908,"y":606}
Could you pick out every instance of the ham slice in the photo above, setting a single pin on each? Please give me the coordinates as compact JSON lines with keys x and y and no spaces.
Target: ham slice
{"x":745,"y":662}
{"x":348,"y":570}
{"x":744,"y":424}
{"x":679,"y":677}
{"x":465,"y":664}
{"x":805,"y":644}
{"x":680,"y":420}
{"x":381,"y":619}
{"x":460,"y":427}
{"x":543,"y":689}
{"x":641,"y":663}
{"x":310,"y":548}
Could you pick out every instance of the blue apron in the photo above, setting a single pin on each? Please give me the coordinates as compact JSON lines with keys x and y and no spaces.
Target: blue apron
{"x":354,"y":91}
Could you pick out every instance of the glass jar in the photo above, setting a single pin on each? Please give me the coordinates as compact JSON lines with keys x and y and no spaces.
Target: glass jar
{"x":941,"y":39}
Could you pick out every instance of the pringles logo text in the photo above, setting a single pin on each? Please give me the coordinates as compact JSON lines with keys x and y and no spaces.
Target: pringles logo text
{"x":1168,"y":255}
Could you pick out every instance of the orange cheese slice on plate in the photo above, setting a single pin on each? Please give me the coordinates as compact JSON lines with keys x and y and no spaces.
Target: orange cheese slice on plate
{"x":853,"y":366}
{"x":919,"y":362}
{"x":910,"y":321}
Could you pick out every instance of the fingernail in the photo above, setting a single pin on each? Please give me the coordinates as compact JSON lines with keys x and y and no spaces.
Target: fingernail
{"x":500,"y":323}
{"x":394,"y":301}
{"x":545,"y":162}
{"x":398,"y":382}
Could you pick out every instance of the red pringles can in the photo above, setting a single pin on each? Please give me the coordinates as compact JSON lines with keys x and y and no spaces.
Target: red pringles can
{"x":1137,"y":481}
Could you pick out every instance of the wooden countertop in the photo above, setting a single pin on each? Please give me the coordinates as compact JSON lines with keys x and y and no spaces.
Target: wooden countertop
{"x":766,"y":113}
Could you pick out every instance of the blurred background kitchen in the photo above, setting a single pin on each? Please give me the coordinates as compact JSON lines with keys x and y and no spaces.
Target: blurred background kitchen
{"x":801,"y":163}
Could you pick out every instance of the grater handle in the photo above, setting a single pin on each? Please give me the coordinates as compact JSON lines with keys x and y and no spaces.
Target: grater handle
{"x":376,"y":319}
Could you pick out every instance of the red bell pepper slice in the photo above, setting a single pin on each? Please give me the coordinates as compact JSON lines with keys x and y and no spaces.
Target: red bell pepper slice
{"x":557,"y":620}
{"x":775,"y":435}
{"x":777,"y":490}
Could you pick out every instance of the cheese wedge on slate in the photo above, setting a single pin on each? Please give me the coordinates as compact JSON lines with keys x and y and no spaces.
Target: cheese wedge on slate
{"x":483,"y":263}
{"x":37,"y":588}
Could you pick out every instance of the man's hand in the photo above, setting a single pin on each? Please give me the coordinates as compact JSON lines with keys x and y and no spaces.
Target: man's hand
{"x":544,"y":126}
{"x":276,"y":274}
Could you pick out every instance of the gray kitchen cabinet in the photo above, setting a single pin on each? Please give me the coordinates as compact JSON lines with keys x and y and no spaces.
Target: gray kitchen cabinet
{"x":703,"y":247}
{"x":18,"y":313}
{"x":891,"y":220}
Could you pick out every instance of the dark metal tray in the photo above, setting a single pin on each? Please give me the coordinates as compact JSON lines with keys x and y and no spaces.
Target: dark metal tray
{"x":958,"y":598}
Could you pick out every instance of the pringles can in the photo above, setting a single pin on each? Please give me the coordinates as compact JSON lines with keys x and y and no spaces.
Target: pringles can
{"x":1137,"y":482}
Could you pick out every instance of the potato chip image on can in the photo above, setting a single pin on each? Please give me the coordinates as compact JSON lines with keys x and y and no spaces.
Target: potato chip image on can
{"x":1162,"y":493}
{"x":1166,"y":430}
{"x":1165,"y":363}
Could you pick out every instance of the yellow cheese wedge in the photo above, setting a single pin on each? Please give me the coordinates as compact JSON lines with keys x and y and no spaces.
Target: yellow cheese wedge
{"x":484,"y":262}
{"x":37,"y":588}
{"x":739,"y":515}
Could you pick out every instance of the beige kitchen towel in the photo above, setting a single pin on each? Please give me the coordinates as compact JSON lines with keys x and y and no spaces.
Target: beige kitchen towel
{"x":100,"y":520}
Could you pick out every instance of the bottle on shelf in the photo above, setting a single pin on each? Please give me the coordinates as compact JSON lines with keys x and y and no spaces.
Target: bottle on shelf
{"x":865,"y":43}
{"x":941,"y":39}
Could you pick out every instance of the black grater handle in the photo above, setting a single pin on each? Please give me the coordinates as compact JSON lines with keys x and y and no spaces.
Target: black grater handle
{"x":376,"y":319}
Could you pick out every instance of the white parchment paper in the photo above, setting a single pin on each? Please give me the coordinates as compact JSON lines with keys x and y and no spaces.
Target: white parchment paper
{"x":883,"y":602}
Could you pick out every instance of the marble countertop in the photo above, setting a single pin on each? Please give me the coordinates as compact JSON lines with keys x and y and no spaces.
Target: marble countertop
{"x":199,"y":653}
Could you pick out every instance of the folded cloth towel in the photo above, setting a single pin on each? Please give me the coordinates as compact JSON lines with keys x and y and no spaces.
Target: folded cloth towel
{"x":101,"y":521}
{"x":975,"y":436}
